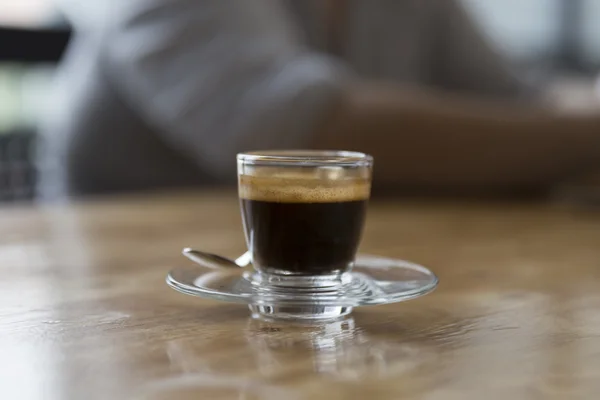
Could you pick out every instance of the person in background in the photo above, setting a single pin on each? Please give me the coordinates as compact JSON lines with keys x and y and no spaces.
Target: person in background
{"x":164,"y":93}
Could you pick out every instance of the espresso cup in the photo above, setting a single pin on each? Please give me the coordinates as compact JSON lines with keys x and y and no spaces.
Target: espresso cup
{"x":303,"y":211}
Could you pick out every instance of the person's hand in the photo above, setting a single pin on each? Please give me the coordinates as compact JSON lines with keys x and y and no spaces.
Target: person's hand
{"x":575,"y":96}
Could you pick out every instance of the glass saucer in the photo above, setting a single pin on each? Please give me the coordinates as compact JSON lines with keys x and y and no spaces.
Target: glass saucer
{"x":373,"y":280}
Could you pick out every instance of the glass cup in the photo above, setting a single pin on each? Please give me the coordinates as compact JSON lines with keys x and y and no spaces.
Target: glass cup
{"x":303,"y":214}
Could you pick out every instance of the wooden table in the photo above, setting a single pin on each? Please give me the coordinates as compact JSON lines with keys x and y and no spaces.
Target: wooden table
{"x":85,"y":312}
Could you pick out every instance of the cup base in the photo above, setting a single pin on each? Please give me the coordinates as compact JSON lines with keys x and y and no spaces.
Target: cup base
{"x":280,"y":282}
{"x":292,"y":287}
{"x":298,"y":313}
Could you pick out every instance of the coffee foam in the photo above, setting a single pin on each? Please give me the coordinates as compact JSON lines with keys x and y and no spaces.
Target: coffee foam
{"x":302,"y":190}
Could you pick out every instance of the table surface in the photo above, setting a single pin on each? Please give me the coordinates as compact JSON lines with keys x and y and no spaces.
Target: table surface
{"x":85,"y":312}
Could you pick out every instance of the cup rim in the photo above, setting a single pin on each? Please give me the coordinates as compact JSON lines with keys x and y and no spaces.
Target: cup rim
{"x":306,"y":158}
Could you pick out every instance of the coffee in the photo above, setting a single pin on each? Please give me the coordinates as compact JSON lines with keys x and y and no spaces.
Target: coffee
{"x":301,"y":226}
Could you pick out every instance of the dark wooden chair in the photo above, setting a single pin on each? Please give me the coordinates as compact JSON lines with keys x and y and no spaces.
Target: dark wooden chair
{"x":17,"y":145}
{"x":32,"y":45}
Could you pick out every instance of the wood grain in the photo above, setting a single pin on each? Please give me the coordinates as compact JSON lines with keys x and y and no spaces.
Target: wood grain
{"x":85,"y":312}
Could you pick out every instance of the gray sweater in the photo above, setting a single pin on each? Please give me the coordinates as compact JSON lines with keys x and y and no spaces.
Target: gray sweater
{"x":159,"y":93}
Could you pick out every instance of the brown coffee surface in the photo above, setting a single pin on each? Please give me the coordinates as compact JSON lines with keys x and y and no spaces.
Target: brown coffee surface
{"x":297,"y":189}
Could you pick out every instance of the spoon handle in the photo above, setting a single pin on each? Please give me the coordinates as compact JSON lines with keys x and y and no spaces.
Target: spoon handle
{"x":244,"y":260}
{"x":208,"y":260}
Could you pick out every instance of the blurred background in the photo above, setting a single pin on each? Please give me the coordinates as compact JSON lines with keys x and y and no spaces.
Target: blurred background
{"x":552,"y":40}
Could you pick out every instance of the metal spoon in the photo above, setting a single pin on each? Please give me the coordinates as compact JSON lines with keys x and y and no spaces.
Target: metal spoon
{"x":215,"y":261}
